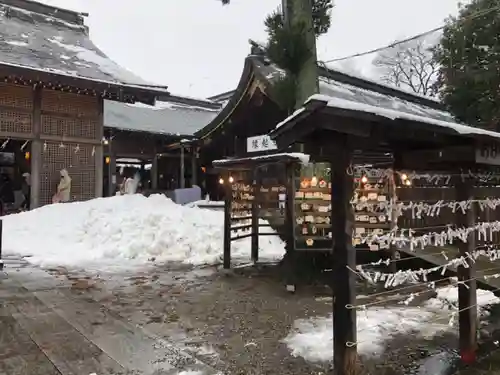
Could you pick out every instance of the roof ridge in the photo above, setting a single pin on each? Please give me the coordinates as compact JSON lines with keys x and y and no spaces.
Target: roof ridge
{"x":189,"y":101}
{"x":63,"y":14}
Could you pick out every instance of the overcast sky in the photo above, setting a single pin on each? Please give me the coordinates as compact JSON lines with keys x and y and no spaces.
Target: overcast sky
{"x":197,"y":47}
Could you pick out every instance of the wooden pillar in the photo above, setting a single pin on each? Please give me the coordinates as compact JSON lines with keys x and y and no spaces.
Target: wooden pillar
{"x":154,"y":172}
{"x":393,"y":267}
{"x":194,"y":168}
{"x":183,"y":169}
{"x":290,"y":260}
{"x":99,"y":170}
{"x":344,"y":257}
{"x":255,"y":217}
{"x":99,"y":153}
{"x":467,"y":298}
{"x":227,"y":222}
{"x":36,"y":149}
{"x":112,"y":180}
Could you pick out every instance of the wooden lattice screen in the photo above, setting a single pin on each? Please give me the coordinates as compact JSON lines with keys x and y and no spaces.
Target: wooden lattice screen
{"x":80,"y":164}
{"x":17,"y":113}
{"x":70,"y":115}
{"x":75,"y":117}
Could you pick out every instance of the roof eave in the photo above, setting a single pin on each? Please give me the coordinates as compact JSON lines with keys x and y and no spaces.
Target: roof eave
{"x":122,"y":91}
{"x":240,"y":92}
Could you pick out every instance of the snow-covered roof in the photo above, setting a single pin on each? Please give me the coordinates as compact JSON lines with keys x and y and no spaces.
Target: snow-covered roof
{"x":386,"y":112}
{"x":335,"y":84}
{"x":343,"y":86}
{"x":51,"y":40}
{"x":163,"y":118}
{"x":363,"y":97}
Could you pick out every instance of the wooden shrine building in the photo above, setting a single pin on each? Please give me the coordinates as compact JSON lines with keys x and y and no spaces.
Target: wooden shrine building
{"x":158,"y":138}
{"x":252,"y":110}
{"x":54,"y":82}
{"x":332,"y":129}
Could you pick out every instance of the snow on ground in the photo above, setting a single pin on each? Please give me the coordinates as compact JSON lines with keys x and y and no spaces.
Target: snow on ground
{"x":312,"y":338}
{"x":124,"y":231}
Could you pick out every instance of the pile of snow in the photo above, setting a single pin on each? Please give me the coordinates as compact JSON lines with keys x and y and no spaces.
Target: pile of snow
{"x":312,"y":338}
{"x":125,"y":231}
{"x":207,"y":203}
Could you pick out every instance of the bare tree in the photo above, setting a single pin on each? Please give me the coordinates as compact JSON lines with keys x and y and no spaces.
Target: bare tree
{"x":409,"y":65}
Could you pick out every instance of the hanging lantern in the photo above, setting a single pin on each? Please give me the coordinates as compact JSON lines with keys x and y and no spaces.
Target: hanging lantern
{"x":27,"y":155}
{"x":108,"y":159}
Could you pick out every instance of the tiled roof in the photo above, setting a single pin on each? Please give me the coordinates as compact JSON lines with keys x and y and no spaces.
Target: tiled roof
{"x":51,"y":40}
{"x":164,"y":118}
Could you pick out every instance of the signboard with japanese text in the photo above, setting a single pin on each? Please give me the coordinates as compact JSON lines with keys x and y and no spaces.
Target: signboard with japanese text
{"x":488,"y":154}
{"x":260,"y":143}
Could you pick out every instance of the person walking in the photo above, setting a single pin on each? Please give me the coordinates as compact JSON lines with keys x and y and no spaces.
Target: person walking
{"x":26,"y":189}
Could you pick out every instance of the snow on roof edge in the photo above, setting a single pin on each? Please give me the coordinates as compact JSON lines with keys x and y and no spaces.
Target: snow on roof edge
{"x":64,"y":74}
{"x":382,"y":84}
{"x":388,"y":113}
{"x":303,"y":158}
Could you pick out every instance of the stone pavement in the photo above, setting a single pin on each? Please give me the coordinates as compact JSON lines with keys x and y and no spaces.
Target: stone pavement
{"x":45,"y":330}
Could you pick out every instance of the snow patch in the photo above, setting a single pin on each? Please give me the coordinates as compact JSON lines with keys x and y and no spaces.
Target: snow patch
{"x":16,"y":43}
{"x":312,"y":338}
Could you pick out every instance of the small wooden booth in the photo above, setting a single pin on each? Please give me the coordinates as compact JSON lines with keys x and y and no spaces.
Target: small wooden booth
{"x":256,"y":198}
{"x":340,"y":129}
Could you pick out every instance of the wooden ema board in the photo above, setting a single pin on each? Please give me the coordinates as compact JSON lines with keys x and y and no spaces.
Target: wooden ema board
{"x":312,"y":210}
{"x":369,"y":218}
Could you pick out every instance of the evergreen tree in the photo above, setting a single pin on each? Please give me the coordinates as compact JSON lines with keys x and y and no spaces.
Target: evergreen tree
{"x":469,"y":59}
{"x":289,"y":48}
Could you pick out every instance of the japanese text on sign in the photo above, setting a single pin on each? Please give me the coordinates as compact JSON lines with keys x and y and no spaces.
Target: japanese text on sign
{"x":260,"y":143}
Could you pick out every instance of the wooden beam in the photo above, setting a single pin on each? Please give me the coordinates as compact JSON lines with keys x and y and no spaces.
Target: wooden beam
{"x":467,"y":298}
{"x":65,"y":139}
{"x":344,"y":260}
{"x":442,"y":155}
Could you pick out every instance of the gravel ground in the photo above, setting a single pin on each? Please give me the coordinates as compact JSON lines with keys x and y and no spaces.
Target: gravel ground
{"x":235,"y":321}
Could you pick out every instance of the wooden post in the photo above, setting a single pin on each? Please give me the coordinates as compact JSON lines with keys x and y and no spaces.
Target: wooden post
{"x":227,"y":222}
{"x":99,"y":154}
{"x":467,"y":298}
{"x":154,"y":172}
{"x":393,"y":267}
{"x":194,"y":169}
{"x":36,"y":150}
{"x":183,"y":169}
{"x":290,"y":261}
{"x":344,"y":257}
{"x":255,"y":217}
{"x":1,"y":244}
{"x":112,"y":180}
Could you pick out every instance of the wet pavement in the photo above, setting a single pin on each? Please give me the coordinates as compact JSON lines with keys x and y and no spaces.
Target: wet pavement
{"x":46,"y":329}
{"x":165,"y":320}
